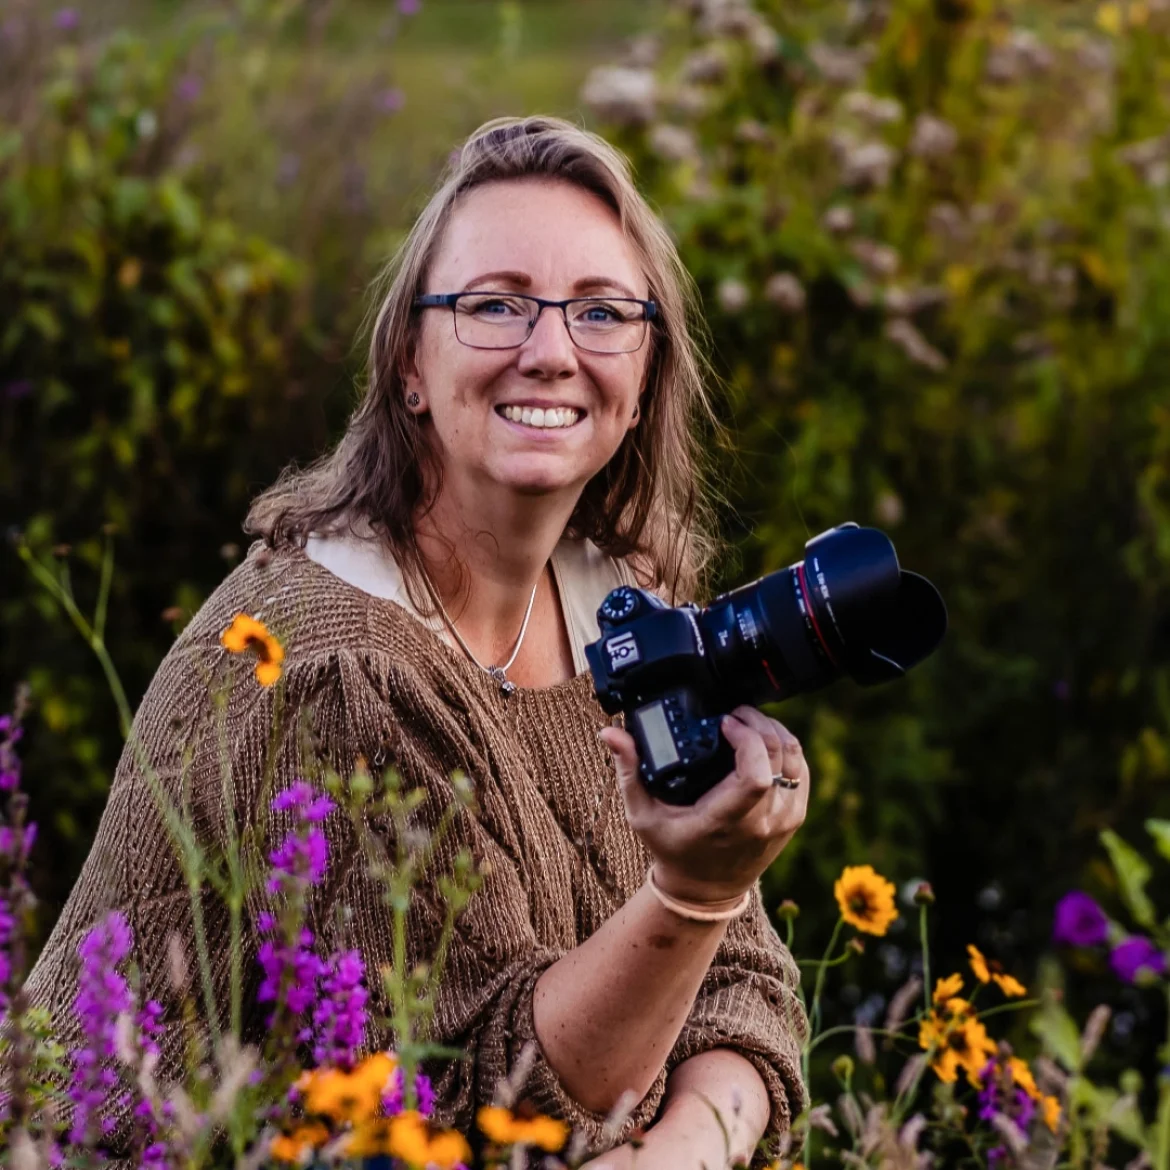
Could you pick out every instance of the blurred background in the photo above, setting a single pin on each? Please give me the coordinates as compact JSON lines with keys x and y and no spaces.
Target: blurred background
{"x":932,"y":242}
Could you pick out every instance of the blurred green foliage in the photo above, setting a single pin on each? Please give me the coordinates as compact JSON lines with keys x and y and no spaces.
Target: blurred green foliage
{"x":148,"y":353}
{"x":932,"y":237}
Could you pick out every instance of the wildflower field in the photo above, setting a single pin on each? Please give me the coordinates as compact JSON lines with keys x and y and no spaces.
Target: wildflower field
{"x":932,"y":239}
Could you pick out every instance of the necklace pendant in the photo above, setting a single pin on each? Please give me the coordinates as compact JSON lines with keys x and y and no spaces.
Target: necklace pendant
{"x":506,"y":687}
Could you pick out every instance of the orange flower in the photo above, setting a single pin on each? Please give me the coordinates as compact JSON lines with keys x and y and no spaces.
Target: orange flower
{"x":348,"y":1096}
{"x":246,"y":633}
{"x":865,"y":898}
{"x":1008,"y":985}
{"x":978,"y":964}
{"x":948,"y":988}
{"x":1051,"y":1109}
{"x":955,"y":1039}
{"x":1022,"y":1076}
{"x":411,"y":1138}
{"x":298,"y":1146}
{"x":525,"y":1127}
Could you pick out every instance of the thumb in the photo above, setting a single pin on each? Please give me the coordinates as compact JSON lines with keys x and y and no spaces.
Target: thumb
{"x":625,"y":760}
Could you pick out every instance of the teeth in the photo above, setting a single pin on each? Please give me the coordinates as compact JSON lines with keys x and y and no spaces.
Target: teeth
{"x":545,"y":419}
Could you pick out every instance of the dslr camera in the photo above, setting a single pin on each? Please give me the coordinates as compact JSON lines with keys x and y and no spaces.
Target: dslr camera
{"x":846,"y":609}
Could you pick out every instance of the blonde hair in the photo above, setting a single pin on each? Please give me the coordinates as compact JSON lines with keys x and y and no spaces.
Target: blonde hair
{"x":648,"y":504}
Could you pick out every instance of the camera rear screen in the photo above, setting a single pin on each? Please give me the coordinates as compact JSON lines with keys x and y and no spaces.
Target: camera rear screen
{"x":656,"y":733}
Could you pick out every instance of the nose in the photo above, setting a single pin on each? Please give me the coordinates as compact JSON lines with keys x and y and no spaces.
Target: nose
{"x":549,"y":352}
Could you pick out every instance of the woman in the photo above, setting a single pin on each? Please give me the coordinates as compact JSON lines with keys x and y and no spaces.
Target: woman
{"x":511,"y":461}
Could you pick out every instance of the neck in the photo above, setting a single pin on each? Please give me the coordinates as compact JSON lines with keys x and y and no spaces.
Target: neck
{"x":485,"y":561}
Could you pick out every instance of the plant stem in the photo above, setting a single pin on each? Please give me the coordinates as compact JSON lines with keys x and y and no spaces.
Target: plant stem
{"x":814,"y":1018}
{"x":924,"y":936}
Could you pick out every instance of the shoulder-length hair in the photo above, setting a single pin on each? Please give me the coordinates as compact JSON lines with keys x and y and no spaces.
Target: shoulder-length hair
{"x":649,"y":504}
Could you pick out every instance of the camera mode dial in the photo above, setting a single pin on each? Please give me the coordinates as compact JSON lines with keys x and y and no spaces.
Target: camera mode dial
{"x":619,"y":604}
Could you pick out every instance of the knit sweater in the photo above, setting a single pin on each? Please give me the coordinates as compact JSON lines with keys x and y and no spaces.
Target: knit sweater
{"x":549,"y":833}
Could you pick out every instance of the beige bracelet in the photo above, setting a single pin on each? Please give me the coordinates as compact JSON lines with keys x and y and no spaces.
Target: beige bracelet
{"x":697,"y":911}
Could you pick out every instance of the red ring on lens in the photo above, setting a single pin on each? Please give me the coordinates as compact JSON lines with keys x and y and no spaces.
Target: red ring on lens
{"x":812,"y":613}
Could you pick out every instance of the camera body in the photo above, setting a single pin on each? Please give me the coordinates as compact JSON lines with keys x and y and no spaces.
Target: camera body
{"x":847,"y":608}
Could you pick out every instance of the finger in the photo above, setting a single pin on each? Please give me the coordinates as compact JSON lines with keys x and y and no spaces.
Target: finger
{"x":736,"y":796}
{"x":777,"y":738}
{"x":639,"y":803}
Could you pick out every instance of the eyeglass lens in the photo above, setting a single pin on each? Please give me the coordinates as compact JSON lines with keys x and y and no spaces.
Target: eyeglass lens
{"x":502,"y":321}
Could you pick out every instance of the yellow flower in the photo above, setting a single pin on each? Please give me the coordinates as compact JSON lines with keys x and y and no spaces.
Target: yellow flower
{"x":348,"y":1096}
{"x":1008,"y":985}
{"x":865,"y":898}
{"x":948,"y":988}
{"x":410,"y":1137}
{"x":297,"y":1147}
{"x":979,"y":964}
{"x":1022,"y":1076}
{"x":1139,"y":14}
{"x":955,"y":1039}
{"x":1109,"y":17}
{"x":506,"y":1128}
{"x":246,"y":633}
{"x":1051,"y":1109}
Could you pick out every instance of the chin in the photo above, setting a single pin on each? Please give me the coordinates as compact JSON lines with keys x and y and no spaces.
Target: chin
{"x":538,"y":477}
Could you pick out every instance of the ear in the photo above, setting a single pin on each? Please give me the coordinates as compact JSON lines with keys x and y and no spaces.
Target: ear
{"x":412,"y":383}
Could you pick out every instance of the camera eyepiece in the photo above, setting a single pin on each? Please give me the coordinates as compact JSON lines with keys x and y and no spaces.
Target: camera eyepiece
{"x":848,"y":608}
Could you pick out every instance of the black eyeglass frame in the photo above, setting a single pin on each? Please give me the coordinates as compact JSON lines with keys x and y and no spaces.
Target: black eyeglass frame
{"x":450,"y":300}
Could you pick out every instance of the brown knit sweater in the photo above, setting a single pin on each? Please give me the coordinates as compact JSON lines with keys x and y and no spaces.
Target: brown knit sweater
{"x":550,"y":826}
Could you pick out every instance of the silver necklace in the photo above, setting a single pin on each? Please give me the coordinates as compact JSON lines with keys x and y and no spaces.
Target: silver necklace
{"x":499,"y":673}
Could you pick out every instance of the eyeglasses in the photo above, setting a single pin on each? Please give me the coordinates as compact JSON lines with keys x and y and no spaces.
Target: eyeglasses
{"x":492,"y":320}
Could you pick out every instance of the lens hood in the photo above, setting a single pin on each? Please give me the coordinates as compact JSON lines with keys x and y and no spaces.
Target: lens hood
{"x":905,"y":628}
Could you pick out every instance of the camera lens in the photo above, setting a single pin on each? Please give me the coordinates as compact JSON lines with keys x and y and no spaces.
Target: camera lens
{"x":847,"y":608}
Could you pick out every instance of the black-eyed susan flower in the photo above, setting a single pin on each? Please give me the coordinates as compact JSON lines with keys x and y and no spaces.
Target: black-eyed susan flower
{"x":948,"y":988}
{"x":986,"y":970}
{"x":524,"y":1126}
{"x":247,"y":633}
{"x":955,"y":1039}
{"x":297,"y":1146}
{"x":865,"y":898}
{"x":353,"y":1096}
{"x":411,"y":1138}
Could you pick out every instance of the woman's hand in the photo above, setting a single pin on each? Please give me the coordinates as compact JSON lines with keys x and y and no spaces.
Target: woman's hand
{"x":716,"y":848}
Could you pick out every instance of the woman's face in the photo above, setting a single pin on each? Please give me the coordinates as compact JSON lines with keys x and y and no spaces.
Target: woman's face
{"x":547,"y":239}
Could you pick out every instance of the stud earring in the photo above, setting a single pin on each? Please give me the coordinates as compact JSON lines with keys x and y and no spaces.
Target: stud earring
{"x":412,"y":399}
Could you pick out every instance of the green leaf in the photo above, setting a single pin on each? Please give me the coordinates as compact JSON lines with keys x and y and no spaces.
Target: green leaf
{"x":1133,"y":871}
{"x":1058,"y":1032}
{"x":1160,"y":831}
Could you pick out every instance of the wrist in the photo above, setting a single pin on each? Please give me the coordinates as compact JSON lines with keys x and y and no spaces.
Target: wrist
{"x":687,"y":1135}
{"x":712,"y":895}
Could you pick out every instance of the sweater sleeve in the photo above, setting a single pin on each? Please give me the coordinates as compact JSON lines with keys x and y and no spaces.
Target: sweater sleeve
{"x":749,"y":1003}
{"x":483,"y":1004}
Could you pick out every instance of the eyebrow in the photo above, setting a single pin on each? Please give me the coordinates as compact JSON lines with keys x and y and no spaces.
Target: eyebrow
{"x":523,"y":280}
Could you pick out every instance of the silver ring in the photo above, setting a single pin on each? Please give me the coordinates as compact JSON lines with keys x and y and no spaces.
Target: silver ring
{"x":786,"y":781}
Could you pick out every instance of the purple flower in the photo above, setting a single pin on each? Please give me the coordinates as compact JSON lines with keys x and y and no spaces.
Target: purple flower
{"x":10,"y":734}
{"x":1135,"y":955}
{"x":102,"y":996}
{"x":189,"y":87}
{"x":292,"y":971}
{"x":66,"y":19}
{"x":339,"y":1019}
{"x":394,"y":1102}
{"x":409,"y":7}
{"x":1079,"y":921}
{"x":390,"y":101}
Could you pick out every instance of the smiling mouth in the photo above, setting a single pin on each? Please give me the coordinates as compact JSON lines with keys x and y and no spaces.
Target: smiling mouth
{"x":545,"y":419}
